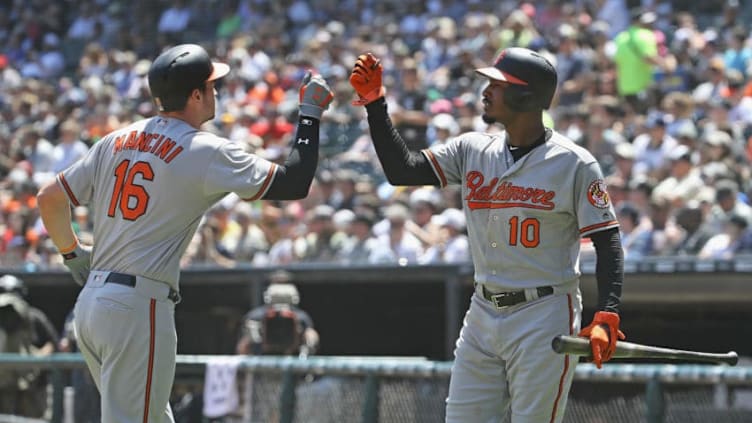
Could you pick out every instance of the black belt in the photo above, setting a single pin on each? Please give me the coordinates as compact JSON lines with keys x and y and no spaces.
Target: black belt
{"x":506,"y":299}
{"x":130,"y":280}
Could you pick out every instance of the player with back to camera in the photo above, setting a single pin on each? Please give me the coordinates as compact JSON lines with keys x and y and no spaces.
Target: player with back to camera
{"x":529,"y":195}
{"x":149,"y":184}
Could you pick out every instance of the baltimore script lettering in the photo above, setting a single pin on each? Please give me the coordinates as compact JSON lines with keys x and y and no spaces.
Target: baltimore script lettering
{"x":156,"y":144}
{"x":505,"y":195}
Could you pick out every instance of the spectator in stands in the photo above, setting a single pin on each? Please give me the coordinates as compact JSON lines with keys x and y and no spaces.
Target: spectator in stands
{"x":39,"y":152}
{"x":345,"y":182}
{"x":361,"y":247}
{"x":727,"y":205}
{"x":653,"y":147}
{"x":424,"y":203}
{"x":634,"y":231}
{"x":70,"y":148}
{"x":404,"y":248}
{"x":716,"y":160}
{"x":51,"y":59}
{"x":452,"y":245}
{"x":318,"y":244}
{"x":572,"y":68}
{"x":250,"y":238}
{"x":614,"y":13}
{"x":82,"y":26}
{"x":282,"y":229}
{"x":683,"y":183}
{"x":444,"y":127}
{"x":740,"y":105}
{"x":205,"y":248}
{"x":696,"y":231}
{"x":175,"y":19}
{"x":516,"y":31}
{"x":738,"y":54}
{"x":412,"y":119}
{"x":730,"y":241}
{"x":636,"y":57}
{"x":713,"y":82}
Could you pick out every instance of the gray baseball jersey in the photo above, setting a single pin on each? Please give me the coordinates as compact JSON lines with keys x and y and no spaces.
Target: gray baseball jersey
{"x":525,"y":218}
{"x":142,"y":227}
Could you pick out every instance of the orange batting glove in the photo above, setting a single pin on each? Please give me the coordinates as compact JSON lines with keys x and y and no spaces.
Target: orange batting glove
{"x":366,"y":79}
{"x":603,"y":332}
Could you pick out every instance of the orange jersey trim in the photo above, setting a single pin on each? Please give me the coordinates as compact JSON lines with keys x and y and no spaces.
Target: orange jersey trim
{"x":150,"y":369}
{"x":436,"y":167}
{"x":598,"y":226}
{"x":67,"y":189}
{"x":560,"y":392}
{"x":265,"y":185}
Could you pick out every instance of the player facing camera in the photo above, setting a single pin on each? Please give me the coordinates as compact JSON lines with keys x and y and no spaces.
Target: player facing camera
{"x":279,"y":327}
{"x":281,"y":331}
{"x":11,"y":309}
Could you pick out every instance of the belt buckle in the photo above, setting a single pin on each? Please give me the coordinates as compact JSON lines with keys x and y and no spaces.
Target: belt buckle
{"x":497,"y":298}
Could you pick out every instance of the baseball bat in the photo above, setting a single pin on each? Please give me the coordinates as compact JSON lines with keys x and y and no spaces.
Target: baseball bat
{"x":565,"y":344}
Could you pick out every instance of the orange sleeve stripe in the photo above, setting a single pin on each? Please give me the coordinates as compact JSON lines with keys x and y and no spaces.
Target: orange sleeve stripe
{"x":599,"y":225}
{"x":68,"y":189}
{"x":436,"y":167}
{"x":265,"y":185}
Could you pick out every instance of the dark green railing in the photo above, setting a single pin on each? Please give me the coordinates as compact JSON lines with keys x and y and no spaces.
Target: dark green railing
{"x":374,"y":369}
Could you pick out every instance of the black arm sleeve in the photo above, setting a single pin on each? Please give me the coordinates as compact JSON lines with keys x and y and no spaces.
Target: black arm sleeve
{"x":401,"y":166}
{"x":293,"y":179}
{"x":609,"y":268}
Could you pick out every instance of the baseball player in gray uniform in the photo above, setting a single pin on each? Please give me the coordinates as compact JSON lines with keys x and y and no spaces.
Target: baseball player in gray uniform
{"x":148,"y":185}
{"x":529,"y":195}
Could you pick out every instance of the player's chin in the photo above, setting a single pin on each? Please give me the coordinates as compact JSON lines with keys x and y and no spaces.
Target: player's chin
{"x":488,"y":119}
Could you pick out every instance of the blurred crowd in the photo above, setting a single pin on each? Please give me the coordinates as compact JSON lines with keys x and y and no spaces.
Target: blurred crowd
{"x":659,"y":91}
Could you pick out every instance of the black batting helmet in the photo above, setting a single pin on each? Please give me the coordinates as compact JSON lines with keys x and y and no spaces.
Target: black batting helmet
{"x":531,"y":77}
{"x":178,"y":71}
{"x":13,"y":285}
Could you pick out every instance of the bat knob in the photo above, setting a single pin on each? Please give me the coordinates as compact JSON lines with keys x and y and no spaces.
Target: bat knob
{"x":733,"y":358}
{"x":557,"y":344}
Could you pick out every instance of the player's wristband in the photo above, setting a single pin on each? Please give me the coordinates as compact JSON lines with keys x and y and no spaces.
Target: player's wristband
{"x":70,"y":252}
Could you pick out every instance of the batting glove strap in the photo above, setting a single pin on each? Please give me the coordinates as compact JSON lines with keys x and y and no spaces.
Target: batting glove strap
{"x":315,"y":96}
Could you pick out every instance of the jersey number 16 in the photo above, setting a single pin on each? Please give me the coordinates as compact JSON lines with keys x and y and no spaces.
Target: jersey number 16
{"x":131,"y":198}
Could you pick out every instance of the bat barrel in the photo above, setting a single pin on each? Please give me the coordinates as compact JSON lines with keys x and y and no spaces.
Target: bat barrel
{"x":575,"y":345}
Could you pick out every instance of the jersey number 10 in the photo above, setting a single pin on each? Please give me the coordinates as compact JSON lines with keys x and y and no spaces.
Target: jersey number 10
{"x":527,"y":231}
{"x":131,"y":198}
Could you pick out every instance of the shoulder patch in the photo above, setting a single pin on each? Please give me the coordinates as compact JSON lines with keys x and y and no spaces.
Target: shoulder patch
{"x":597,"y":194}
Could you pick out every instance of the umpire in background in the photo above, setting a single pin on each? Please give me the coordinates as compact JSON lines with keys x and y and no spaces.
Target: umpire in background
{"x":152,"y":181}
{"x":529,"y":195}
